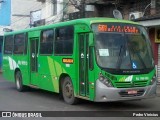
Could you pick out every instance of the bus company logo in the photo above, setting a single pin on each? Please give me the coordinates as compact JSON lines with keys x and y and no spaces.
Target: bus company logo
{"x":6,"y":114}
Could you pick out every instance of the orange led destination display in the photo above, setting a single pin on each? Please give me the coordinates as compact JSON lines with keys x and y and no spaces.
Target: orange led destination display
{"x":117,"y":28}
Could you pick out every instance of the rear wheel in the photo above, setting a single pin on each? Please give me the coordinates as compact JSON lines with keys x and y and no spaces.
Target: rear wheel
{"x":18,"y":79}
{"x":68,"y":91}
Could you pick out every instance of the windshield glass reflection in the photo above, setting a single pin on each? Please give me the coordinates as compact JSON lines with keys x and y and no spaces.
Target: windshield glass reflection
{"x":123,"y":50}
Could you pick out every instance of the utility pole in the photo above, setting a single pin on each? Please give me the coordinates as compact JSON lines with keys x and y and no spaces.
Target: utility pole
{"x":83,"y":4}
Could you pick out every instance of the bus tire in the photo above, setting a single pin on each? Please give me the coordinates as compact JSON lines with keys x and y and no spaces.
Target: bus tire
{"x":68,"y":91}
{"x":18,"y":79}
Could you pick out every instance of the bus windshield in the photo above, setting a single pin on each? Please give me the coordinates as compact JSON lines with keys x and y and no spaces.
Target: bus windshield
{"x":122,"y":46}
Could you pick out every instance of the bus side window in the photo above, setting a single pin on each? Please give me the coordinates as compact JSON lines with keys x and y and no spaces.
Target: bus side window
{"x":8,"y":44}
{"x":19,"y":43}
{"x":64,"y":40}
{"x":46,"y":44}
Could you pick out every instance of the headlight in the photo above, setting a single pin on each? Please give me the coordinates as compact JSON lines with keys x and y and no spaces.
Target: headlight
{"x":153,"y":80}
{"x":105,"y":81}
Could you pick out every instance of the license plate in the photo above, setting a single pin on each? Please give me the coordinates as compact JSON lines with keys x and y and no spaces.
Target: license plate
{"x":132,"y":92}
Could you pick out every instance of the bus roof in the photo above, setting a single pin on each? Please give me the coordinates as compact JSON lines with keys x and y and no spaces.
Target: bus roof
{"x":87,"y":21}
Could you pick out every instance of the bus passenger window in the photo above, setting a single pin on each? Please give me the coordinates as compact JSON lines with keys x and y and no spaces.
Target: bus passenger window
{"x":64,"y":40}
{"x":8,"y":45}
{"x":46,"y":45}
{"x":19,"y":43}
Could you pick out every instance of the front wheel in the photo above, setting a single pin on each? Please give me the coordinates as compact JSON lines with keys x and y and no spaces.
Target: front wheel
{"x":68,"y":91}
{"x":18,"y":79}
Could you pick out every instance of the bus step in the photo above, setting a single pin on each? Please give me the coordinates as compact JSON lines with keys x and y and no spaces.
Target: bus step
{"x":33,"y":86}
{"x":82,"y":97}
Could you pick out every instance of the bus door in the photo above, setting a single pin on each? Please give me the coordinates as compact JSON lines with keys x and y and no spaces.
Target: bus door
{"x":83,"y":64}
{"x":34,"y":60}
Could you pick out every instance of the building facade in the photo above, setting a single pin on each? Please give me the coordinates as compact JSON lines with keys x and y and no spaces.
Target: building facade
{"x":5,"y":14}
{"x":56,"y":10}
{"x":5,"y":11}
{"x":21,"y":15}
{"x":16,"y":14}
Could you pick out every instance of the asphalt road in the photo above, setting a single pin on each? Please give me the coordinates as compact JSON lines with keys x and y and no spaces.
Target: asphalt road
{"x":39,"y":100}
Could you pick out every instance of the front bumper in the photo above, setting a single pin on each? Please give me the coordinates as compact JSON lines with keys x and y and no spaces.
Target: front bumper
{"x":108,"y":94}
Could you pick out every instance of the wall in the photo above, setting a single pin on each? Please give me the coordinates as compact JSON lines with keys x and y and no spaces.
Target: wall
{"x":5,"y":12}
{"x":20,"y":11}
{"x":5,"y":15}
{"x":154,"y":45}
{"x":47,"y":11}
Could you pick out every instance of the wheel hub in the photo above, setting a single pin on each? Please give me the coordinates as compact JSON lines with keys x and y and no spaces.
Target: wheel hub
{"x":68,"y":90}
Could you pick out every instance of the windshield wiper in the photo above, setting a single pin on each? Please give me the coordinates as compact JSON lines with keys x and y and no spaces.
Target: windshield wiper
{"x":140,"y":58}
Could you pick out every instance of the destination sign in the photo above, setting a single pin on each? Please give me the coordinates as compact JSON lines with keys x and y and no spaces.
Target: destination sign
{"x":117,"y":28}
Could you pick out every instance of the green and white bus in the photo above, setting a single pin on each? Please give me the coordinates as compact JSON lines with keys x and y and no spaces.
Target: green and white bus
{"x":97,"y":59}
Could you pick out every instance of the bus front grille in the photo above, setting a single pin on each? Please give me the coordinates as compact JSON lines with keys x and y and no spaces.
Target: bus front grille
{"x":131,"y":84}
